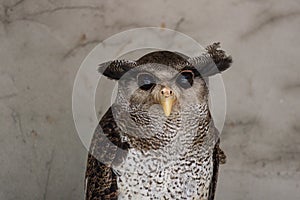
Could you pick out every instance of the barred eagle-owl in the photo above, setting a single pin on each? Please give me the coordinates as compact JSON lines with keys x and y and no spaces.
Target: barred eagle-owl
{"x":158,"y":139}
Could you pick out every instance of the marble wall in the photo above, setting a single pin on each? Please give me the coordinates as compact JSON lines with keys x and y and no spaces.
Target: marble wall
{"x":42,"y":44}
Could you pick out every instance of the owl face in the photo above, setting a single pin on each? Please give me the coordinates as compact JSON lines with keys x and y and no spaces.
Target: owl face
{"x":163,"y":94}
{"x":161,"y":89}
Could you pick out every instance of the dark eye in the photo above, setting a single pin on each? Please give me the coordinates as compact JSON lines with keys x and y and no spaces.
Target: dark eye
{"x":185,"y":79}
{"x":145,"y":81}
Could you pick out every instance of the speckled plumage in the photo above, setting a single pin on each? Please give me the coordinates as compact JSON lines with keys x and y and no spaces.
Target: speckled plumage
{"x":137,"y":152}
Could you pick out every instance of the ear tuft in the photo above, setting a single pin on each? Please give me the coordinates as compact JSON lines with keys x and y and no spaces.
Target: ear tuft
{"x":116,"y":69}
{"x":212,"y":61}
{"x":222,"y":61}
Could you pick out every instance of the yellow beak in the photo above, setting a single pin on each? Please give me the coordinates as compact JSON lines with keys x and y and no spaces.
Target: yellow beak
{"x":167,"y":99}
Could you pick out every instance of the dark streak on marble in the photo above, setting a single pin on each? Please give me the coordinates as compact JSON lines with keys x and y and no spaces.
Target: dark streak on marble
{"x":6,"y":19}
{"x":240,"y":127}
{"x":270,"y":20}
{"x":178,"y":23}
{"x":264,"y":174}
{"x":80,"y":45}
{"x":17,"y":120}
{"x":278,"y":157}
{"x":48,"y":167}
{"x":294,"y":86}
{"x":8,"y":96}
{"x":17,"y":3}
{"x":248,"y":172}
{"x":264,"y":161}
{"x":51,"y":11}
{"x":243,"y":123}
{"x":296,"y":128}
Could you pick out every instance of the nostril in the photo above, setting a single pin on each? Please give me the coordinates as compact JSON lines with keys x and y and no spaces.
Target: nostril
{"x":166,"y":91}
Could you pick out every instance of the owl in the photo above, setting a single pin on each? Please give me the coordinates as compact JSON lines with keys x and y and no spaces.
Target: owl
{"x":158,"y":139}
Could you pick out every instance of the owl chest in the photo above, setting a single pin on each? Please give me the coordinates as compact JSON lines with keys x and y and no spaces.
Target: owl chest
{"x":150,"y":176}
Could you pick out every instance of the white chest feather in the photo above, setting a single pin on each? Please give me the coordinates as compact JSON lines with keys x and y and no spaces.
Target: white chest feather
{"x":153,"y":176}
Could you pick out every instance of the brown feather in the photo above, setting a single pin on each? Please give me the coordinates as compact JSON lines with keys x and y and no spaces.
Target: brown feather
{"x":101,"y":180}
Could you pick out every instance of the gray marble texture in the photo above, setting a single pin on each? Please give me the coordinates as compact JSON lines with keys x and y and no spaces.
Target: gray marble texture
{"x":43,"y":43}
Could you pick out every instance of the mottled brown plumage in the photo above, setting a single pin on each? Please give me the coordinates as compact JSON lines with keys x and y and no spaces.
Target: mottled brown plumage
{"x":116,"y":140}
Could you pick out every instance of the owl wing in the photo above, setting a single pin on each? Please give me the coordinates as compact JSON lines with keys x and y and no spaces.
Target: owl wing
{"x":219,"y":157}
{"x":106,"y":150}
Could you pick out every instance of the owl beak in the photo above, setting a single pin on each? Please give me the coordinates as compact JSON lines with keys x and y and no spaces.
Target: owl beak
{"x":167,"y":99}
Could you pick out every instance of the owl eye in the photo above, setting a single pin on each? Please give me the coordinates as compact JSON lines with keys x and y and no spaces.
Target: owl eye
{"x":185,"y":79}
{"x":145,"y":81}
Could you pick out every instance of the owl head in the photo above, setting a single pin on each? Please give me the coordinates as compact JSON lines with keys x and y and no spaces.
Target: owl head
{"x":165,"y":81}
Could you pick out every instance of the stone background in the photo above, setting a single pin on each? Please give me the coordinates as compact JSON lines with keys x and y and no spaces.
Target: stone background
{"x":43,"y":42}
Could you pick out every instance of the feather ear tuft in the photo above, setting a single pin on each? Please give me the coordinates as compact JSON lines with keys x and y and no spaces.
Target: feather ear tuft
{"x":219,"y":56}
{"x":116,"y":69}
{"x":212,"y":61}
